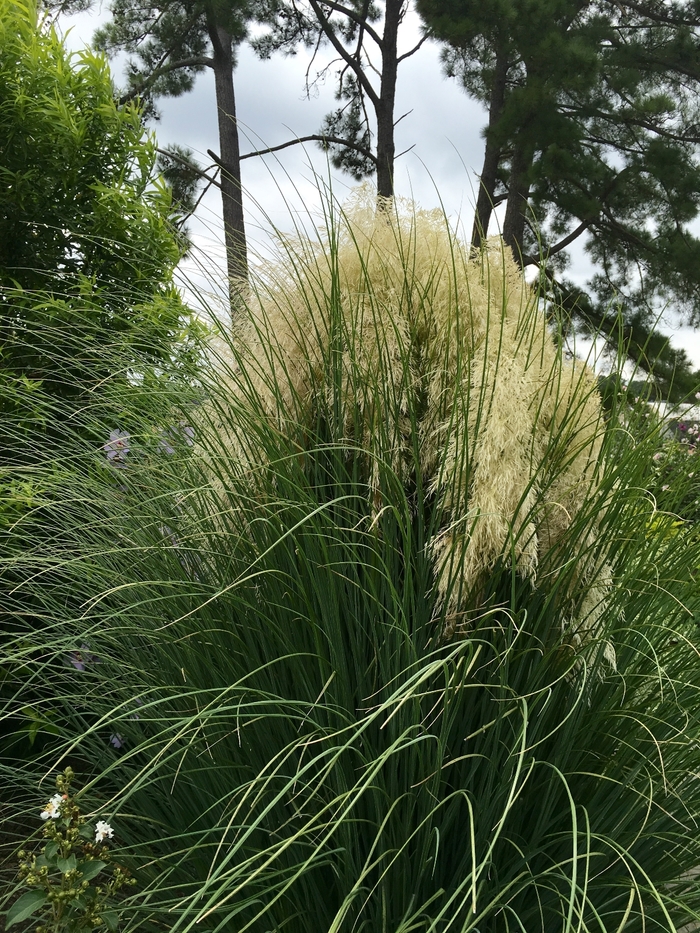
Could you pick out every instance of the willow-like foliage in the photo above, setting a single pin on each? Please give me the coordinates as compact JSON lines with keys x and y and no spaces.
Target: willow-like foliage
{"x":335,"y":639}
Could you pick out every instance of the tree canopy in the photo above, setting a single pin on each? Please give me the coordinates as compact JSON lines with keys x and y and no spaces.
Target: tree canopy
{"x":593,"y":129}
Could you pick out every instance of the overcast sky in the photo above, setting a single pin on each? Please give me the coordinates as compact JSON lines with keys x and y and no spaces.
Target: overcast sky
{"x":442,"y":124}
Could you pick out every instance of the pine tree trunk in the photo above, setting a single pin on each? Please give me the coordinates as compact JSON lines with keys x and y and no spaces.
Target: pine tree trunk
{"x":492,"y":153}
{"x":516,"y":206}
{"x":231,"y":193}
{"x":387,"y":95}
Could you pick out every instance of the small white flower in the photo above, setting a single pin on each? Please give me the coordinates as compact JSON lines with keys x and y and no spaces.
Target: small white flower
{"x":103,"y":831}
{"x":53,"y":808}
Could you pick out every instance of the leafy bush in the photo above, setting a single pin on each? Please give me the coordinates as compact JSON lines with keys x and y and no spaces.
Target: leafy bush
{"x":88,"y":306}
{"x":87,"y":247}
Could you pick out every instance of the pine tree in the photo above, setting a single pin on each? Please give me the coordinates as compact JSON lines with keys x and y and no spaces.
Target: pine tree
{"x":592,"y":129}
{"x":360,"y":32}
{"x":170,"y":43}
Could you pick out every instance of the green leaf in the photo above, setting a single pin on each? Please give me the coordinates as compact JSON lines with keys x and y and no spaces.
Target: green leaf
{"x":86,"y":832}
{"x":32,"y":732}
{"x":92,"y":868}
{"x":111,"y":919}
{"x":24,"y":907}
{"x":66,"y":864}
{"x":51,"y":850}
{"x":39,"y":722}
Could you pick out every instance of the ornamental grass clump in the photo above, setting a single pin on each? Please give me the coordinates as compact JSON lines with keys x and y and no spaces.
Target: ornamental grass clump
{"x":356,"y":642}
{"x":412,"y":353}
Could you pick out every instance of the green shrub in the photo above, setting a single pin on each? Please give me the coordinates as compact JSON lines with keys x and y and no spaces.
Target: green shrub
{"x":87,"y":246}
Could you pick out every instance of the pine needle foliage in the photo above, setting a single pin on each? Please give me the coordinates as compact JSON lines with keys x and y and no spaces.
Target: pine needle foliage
{"x":354,"y":646}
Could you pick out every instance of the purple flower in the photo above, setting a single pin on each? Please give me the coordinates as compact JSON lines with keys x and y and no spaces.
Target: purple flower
{"x":682,"y":427}
{"x":165,"y":444}
{"x":79,"y":659}
{"x":182,"y":432}
{"x":117,"y":447}
{"x":116,"y":740}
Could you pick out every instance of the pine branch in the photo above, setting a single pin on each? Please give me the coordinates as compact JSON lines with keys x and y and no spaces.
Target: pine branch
{"x":190,"y":165}
{"x":305,"y":139}
{"x":655,"y":16}
{"x":349,"y":59}
{"x":360,"y":21}
{"x":159,"y":72}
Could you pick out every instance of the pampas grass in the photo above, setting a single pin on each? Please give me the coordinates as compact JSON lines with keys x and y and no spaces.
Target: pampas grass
{"x":354,"y":645}
{"x":426,"y":358}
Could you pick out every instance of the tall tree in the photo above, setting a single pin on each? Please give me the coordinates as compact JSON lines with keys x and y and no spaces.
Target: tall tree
{"x":170,"y":43}
{"x":360,"y":32}
{"x":593,"y":117}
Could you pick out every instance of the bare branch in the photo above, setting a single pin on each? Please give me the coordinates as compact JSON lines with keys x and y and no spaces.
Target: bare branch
{"x":562,"y":244}
{"x":413,"y":50}
{"x":575,"y":233}
{"x":359,"y":45}
{"x":403,"y":152}
{"x":319,"y":74}
{"x":305,"y":139}
{"x":314,"y":138}
{"x":196,"y":204}
{"x":347,"y":57}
